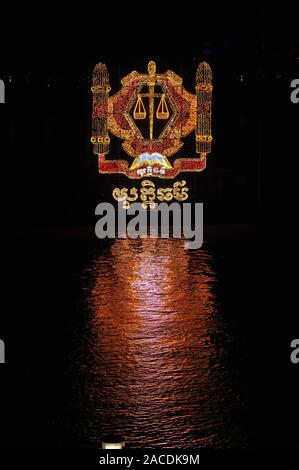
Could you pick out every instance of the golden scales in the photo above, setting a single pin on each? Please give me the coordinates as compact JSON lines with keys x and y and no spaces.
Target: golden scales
{"x":162,"y":110}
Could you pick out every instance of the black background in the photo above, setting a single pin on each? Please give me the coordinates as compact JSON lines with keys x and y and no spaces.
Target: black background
{"x":49,"y":174}
{"x":49,"y":56}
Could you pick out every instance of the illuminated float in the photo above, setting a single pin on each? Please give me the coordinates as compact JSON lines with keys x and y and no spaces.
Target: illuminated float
{"x":151,"y":114}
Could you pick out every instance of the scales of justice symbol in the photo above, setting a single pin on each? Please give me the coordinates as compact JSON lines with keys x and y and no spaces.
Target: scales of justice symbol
{"x":151,"y":114}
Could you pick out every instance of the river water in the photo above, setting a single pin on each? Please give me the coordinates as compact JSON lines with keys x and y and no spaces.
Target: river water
{"x":154,"y":354}
{"x":140,"y":338}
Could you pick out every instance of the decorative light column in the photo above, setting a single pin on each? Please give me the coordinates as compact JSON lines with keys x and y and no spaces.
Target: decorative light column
{"x":100,"y":90}
{"x":203,"y":130}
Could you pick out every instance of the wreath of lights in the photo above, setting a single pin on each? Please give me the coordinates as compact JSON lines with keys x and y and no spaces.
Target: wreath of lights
{"x":183,"y":113}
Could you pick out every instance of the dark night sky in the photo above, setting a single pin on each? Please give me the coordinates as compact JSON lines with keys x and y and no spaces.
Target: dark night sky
{"x":50,"y":54}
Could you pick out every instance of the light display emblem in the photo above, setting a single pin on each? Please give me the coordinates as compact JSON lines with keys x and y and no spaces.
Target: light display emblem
{"x":152,"y":113}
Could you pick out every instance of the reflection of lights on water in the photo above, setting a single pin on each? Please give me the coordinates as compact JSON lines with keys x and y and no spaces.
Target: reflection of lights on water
{"x":153,"y":367}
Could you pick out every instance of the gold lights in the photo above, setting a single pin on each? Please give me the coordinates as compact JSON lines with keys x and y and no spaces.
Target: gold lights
{"x":148,"y":194}
{"x":151,"y":114}
{"x":204,"y":108}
